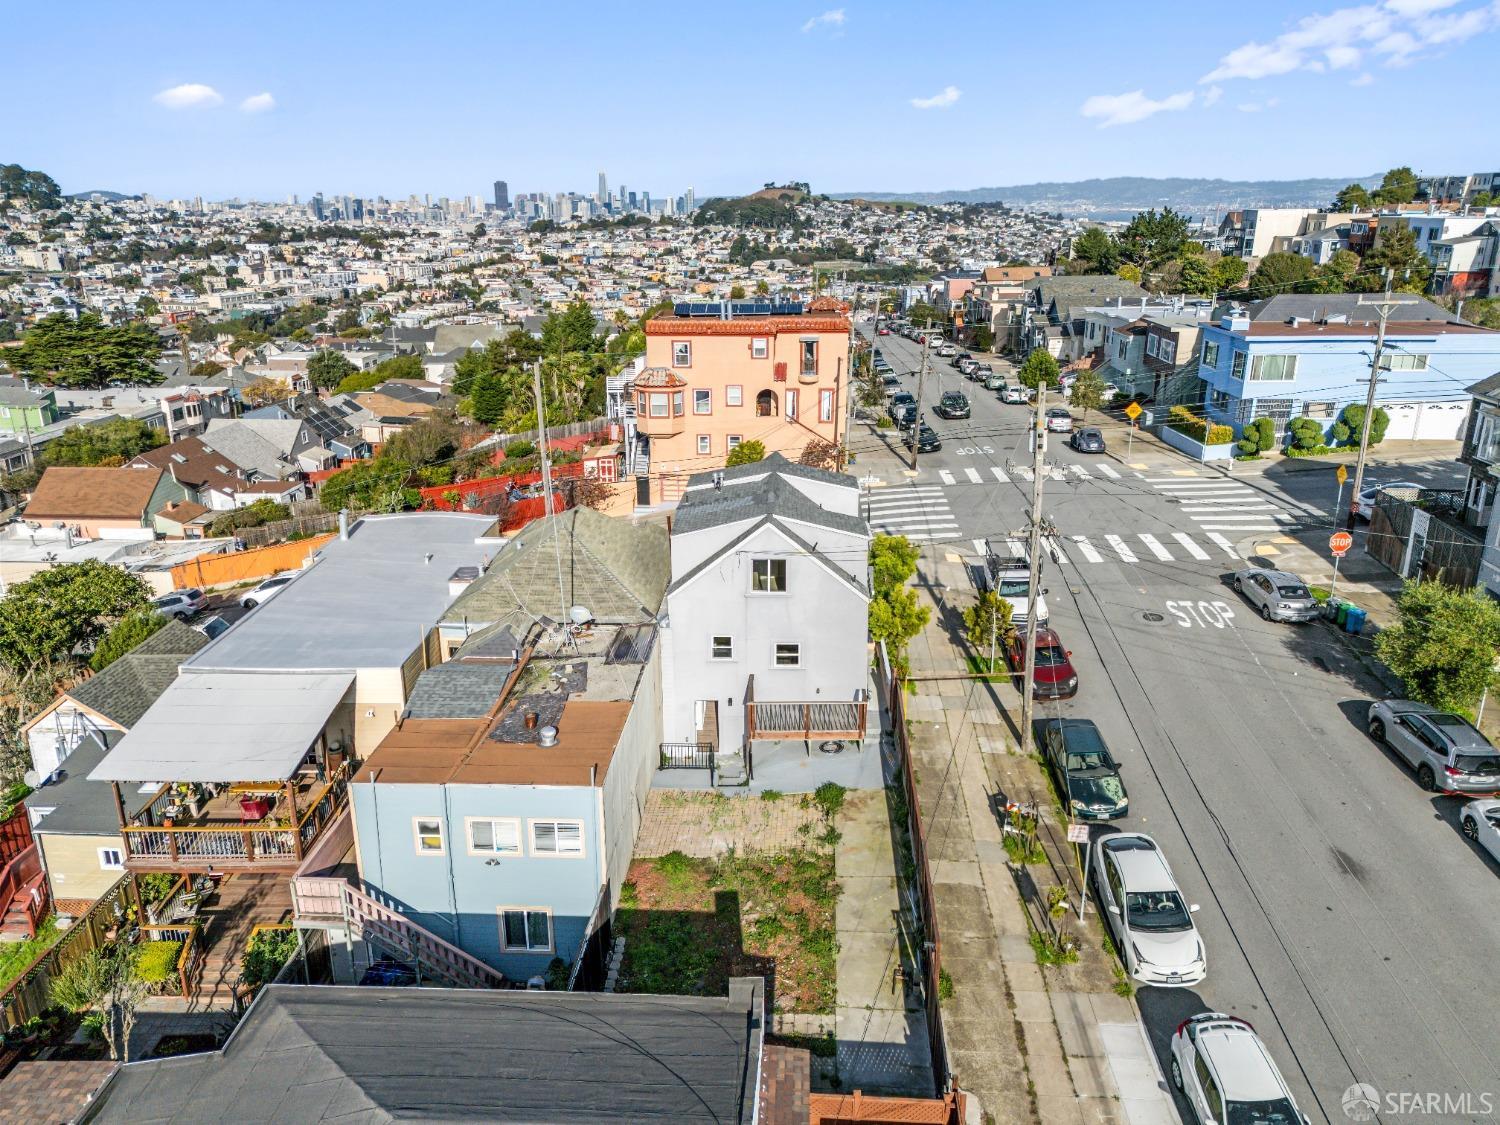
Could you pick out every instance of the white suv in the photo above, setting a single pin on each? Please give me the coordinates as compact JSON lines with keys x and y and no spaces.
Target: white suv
{"x":1227,"y":1076}
{"x":180,"y":604}
{"x":267,"y":590}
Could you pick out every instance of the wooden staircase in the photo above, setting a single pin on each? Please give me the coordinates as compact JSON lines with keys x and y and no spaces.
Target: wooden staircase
{"x":25,"y":898}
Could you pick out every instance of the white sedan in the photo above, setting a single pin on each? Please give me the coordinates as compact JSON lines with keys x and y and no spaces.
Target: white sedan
{"x":1480,"y":821}
{"x":1151,"y":924}
{"x":1364,"y":503}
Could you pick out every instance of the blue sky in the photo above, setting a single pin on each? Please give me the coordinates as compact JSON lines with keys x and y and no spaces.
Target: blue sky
{"x":273,"y":98}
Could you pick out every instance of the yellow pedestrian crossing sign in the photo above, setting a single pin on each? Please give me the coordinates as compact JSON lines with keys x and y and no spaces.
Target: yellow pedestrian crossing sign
{"x":1133,"y":411}
{"x":1342,"y":474}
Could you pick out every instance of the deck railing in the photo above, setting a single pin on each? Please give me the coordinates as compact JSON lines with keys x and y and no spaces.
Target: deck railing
{"x":687,"y":755}
{"x":21,"y":871}
{"x":776,"y":720}
{"x":325,"y":806}
{"x":189,"y":958}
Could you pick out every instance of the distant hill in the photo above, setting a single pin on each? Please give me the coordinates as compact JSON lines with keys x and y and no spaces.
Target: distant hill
{"x":107,"y":196}
{"x":1138,"y":193}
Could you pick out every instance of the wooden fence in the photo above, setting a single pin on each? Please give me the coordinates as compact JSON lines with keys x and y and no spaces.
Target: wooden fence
{"x":30,"y":992}
{"x":245,"y":566}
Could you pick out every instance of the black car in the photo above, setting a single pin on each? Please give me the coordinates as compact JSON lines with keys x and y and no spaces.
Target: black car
{"x":952,"y":405}
{"x":1087,"y":440}
{"x":899,"y":402}
{"x":924,"y":437}
{"x":1084,"y":768}
{"x":905,"y":415}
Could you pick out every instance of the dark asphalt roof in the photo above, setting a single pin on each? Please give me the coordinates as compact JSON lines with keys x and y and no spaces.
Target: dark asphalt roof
{"x":310,"y":1053}
{"x":747,"y":499}
{"x":80,"y":807}
{"x":1316,"y":306}
{"x":457,"y":690}
{"x":124,"y":690}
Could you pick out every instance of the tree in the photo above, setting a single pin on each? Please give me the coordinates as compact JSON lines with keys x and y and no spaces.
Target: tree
{"x":1039,"y":369}
{"x":381,"y":485}
{"x":984,"y":338}
{"x":895,"y":615}
{"x":820,"y":454}
{"x":264,"y":391}
{"x":1443,"y":644}
{"x":147,"y":305}
{"x":263,"y":511}
{"x":54,"y":612}
{"x":1351,"y":424}
{"x":736,"y":292}
{"x":1280,"y":273}
{"x":113,"y":442}
{"x":1228,"y":272}
{"x":327,"y":369}
{"x":987,"y":625}
{"x":1337,"y":275}
{"x":1097,"y":250}
{"x":571,"y":330}
{"x":1129,"y":271}
{"x":746,"y":453}
{"x":922,"y":313}
{"x":126,"y":633}
{"x":1399,"y":185}
{"x":1154,"y":238}
{"x":108,"y":980}
{"x":1087,"y":392}
{"x":432,"y":439}
{"x":479,"y":231}
{"x":589,"y":492}
{"x":36,"y":188}
{"x":1196,"y":276}
{"x":1483,"y":312}
{"x":87,"y":353}
{"x":1306,"y":434}
{"x":487,"y":399}
{"x":1396,"y":251}
{"x":206,"y":369}
{"x":1355,"y":197}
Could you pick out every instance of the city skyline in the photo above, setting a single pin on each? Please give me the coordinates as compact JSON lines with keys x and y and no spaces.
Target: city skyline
{"x":255,"y":121}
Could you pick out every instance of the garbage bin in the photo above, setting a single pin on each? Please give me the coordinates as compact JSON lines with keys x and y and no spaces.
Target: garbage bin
{"x":1341,"y":618}
{"x":1145,"y":420}
{"x":1355,"y":620}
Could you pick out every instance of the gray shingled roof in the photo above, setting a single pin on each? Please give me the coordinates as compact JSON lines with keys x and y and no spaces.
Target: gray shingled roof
{"x":771,"y":495}
{"x":1316,"y":306}
{"x":457,"y":690}
{"x":80,"y":807}
{"x":124,"y":690}
{"x":776,"y":463}
{"x":315,"y":1053}
{"x":616,"y":569}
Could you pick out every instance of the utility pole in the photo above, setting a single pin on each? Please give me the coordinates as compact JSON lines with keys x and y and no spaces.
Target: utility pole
{"x":916,"y":423}
{"x":1034,"y":553}
{"x":850,"y":368}
{"x":1385,"y":304}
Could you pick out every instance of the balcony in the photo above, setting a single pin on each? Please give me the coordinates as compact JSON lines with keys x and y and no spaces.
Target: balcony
{"x":775,"y":720}
{"x":239,"y":826}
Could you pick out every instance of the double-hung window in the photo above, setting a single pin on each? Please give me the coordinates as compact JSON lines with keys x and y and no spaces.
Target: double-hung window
{"x":760,"y":347}
{"x":659,"y":406}
{"x":1210,"y":353}
{"x":556,"y":837}
{"x":682,"y":353}
{"x":428,"y":832}
{"x":734,"y":395}
{"x":788,"y":655}
{"x":768,"y":576}
{"x":703,"y":400}
{"x":723,"y":648}
{"x":525,"y":928}
{"x":1237,"y":366}
{"x":825,"y":406}
{"x":494,"y":836}
{"x":705,"y":445}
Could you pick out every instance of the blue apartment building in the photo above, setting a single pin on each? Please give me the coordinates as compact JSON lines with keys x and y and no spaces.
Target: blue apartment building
{"x":1308,"y":356}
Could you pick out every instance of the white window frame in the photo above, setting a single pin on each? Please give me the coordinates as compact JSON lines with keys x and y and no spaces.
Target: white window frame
{"x":714,"y":646}
{"x":733,"y":441}
{"x":119,"y":861}
{"x":705,"y":445}
{"x":539,"y":853}
{"x":734,"y":395}
{"x":807,"y":362}
{"x":703,"y":400}
{"x":682,"y":353}
{"x":1210,"y":353}
{"x":1288,"y":369}
{"x":1237,"y":364}
{"x":502,"y":911}
{"x":659,"y":399}
{"x":777,"y":662}
{"x":825,"y":406}
{"x":770,"y":571}
{"x":790,"y":400}
{"x":760,"y":347}
{"x":417,"y":834}
{"x":492,"y":821}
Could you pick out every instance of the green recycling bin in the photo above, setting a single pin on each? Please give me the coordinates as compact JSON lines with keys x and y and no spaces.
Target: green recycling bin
{"x":1343,"y":615}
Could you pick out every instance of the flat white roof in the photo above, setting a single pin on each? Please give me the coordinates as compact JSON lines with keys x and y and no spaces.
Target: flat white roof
{"x":227,"y":726}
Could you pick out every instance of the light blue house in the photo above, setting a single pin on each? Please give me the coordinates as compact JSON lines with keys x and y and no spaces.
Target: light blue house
{"x":1308,"y":356}
{"x":501,"y":813}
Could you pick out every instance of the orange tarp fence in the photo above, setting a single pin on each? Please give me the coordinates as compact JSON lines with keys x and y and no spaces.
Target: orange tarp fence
{"x":244,"y":566}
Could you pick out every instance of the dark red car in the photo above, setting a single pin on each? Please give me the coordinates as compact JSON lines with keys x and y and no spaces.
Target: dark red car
{"x":1054,"y":676}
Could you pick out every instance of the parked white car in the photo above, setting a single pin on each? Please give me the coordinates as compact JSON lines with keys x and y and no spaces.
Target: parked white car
{"x":1364,"y":503}
{"x":267,"y":590}
{"x":180,"y":604}
{"x":1151,"y":924}
{"x":1480,"y":821}
{"x":1227,"y":1075}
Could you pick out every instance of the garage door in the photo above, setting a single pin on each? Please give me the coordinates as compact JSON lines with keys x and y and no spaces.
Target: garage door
{"x":1426,"y":421}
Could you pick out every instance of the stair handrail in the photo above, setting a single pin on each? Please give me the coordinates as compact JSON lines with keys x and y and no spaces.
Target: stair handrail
{"x":362,"y":904}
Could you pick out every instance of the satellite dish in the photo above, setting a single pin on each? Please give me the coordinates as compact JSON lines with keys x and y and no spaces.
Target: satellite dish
{"x":580,"y":615}
{"x":31,"y":778}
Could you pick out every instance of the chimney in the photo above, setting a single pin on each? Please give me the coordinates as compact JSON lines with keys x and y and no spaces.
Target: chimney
{"x":343,"y":523}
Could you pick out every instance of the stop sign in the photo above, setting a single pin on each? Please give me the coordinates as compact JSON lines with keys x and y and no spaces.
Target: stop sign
{"x":1339,"y":543}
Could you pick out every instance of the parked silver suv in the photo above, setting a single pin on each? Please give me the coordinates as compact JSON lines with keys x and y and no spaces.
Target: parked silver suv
{"x":1449,"y":755}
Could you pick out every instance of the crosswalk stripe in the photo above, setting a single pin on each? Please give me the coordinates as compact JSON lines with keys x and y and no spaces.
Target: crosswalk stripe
{"x":1107,"y":471}
{"x":973,"y":475}
{"x":1225,"y":543}
{"x":1245,"y":526}
{"x":1121,"y":548}
{"x":1016,"y":548}
{"x":1078,"y":471}
{"x":1208,"y":490}
{"x":1155,"y":546}
{"x":947,"y":476}
{"x":999,"y":474}
{"x":1190,"y":547}
{"x":1024,"y":473}
{"x":1088,"y":549}
{"x":1054,"y":473}
{"x":918,"y":519}
{"x":979,"y":548}
{"x":907,"y":505}
{"x":1254,"y":506}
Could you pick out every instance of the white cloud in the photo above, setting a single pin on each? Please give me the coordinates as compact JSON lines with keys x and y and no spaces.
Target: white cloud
{"x":1397,"y":31}
{"x":834,"y":17}
{"x":1365,"y":79}
{"x":1212,"y":95}
{"x":1256,"y":107}
{"x":190,"y":95}
{"x":258,"y":103}
{"x":949,"y":95}
{"x":1126,"y":109}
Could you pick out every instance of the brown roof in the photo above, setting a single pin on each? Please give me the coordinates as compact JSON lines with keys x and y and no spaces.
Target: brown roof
{"x":743,"y":326}
{"x":387,"y":407}
{"x":201,"y":466}
{"x":182,"y":511}
{"x":436,"y":751}
{"x":67,"y":493}
{"x":51,"y":1090}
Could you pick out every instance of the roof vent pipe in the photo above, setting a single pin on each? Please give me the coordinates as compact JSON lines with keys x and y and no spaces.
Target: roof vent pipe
{"x":343,"y":523}
{"x":547,"y":736}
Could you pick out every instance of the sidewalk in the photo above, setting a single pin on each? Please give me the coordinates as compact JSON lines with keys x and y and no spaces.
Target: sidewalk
{"x":1072,"y":1050}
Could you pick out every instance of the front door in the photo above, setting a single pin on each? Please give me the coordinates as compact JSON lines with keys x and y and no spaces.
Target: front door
{"x":643,"y":492}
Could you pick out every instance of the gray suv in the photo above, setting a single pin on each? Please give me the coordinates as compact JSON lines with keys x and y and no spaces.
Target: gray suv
{"x":1449,"y":755}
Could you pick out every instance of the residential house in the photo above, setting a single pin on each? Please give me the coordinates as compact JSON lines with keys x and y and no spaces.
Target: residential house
{"x":1457,"y":189}
{"x":1467,"y":265}
{"x":1054,"y":320}
{"x":765,"y":638}
{"x":1481,"y":453}
{"x":210,"y":478}
{"x":1308,"y":356}
{"x":267,"y":448}
{"x":24,"y":410}
{"x":332,"y":421}
{"x":719,"y":374}
{"x":997,"y":301}
{"x":73,"y":818}
{"x":1171,"y":353}
{"x":103,"y":503}
{"x":1258,"y":231}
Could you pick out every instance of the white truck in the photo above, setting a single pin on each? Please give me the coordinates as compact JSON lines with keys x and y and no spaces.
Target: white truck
{"x":1008,"y":571}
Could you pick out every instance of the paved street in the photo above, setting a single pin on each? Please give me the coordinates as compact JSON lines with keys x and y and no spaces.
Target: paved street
{"x":1344,"y":914}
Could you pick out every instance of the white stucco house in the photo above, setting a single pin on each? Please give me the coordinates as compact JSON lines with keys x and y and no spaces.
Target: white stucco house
{"x":766,"y":615}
